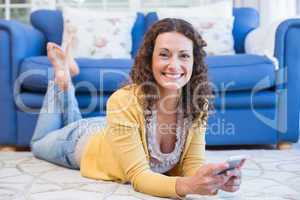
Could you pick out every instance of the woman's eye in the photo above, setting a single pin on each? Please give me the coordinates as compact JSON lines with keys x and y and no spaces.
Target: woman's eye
{"x":185,"y":56}
{"x":163,"y":55}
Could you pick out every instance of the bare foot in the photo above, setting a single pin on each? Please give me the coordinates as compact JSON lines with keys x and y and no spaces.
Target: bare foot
{"x":63,"y":63}
{"x":73,"y":67}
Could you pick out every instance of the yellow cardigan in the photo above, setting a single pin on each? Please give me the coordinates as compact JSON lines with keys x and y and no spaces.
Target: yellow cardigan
{"x":119,"y":152}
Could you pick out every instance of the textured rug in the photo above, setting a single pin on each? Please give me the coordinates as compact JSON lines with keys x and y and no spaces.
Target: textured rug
{"x":267,"y":175}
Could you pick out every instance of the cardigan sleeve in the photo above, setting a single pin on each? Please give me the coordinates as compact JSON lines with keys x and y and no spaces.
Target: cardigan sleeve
{"x":195,"y":156}
{"x":125,"y":139}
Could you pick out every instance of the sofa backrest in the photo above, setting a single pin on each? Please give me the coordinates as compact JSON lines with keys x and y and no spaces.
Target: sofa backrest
{"x":50,"y":23}
{"x":246,"y":19}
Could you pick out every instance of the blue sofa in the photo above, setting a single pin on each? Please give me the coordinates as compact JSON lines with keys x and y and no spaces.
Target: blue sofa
{"x":255,"y":104}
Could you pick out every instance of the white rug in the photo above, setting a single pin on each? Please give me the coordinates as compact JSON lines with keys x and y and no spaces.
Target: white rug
{"x":268,"y":175}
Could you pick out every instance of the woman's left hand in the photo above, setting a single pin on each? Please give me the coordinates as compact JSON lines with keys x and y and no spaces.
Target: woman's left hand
{"x":235,"y":180}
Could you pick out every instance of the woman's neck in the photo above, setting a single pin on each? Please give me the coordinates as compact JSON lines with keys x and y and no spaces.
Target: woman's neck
{"x":168,"y":101}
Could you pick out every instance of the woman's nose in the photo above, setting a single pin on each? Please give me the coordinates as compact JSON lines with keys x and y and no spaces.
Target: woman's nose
{"x":174,"y":63}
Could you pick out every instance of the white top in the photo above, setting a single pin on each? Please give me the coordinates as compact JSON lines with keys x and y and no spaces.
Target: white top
{"x":163,"y":162}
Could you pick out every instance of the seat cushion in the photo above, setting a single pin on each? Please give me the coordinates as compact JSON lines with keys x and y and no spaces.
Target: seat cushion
{"x":240,"y":72}
{"x":228,"y":73}
{"x":105,"y":75}
{"x":241,"y":99}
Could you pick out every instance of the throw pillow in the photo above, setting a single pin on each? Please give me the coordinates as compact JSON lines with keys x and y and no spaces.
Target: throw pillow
{"x":216,"y":32}
{"x":214,"y":22}
{"x":98,"y":34}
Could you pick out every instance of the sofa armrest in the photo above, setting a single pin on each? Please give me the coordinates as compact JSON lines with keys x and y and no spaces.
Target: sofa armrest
{"x":17,"y":42}
{"x":24,"y":41}
{"x":287,"y":51}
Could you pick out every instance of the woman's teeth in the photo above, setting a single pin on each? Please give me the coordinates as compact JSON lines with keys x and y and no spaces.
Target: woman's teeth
{"x":172,"y":75}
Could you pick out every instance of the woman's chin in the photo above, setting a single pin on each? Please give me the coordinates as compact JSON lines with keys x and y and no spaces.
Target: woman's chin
{"x":171,"y":86}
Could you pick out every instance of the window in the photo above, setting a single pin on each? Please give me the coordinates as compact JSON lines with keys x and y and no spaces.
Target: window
{"x":2,"y":13}
{"x":21,"y":9}
{"x":150,"y":4}
{"x":99,"y":4}
{"x":15,"y":9}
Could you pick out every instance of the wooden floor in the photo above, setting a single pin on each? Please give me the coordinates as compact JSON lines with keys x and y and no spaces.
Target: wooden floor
{"x":13,"y":149}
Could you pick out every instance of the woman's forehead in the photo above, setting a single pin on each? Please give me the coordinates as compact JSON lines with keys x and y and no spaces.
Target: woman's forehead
{"x":173,"y":40}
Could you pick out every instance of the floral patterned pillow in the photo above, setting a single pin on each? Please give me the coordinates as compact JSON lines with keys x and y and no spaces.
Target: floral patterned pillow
{"x":98,"y":34}
{"x":217,"y":33}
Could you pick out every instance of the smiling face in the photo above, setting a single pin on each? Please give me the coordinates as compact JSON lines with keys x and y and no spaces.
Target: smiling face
{"x":172,"y":61}
{"x":169,"y":68}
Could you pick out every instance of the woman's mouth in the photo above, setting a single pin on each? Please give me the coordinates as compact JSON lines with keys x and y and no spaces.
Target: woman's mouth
{"x":172,"y":76}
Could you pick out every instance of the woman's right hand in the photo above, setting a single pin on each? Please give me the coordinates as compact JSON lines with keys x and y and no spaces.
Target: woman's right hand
{"x":206,"y":180}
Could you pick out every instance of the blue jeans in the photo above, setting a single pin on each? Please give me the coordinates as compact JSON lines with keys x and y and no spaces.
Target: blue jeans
{"x":59,"y":127}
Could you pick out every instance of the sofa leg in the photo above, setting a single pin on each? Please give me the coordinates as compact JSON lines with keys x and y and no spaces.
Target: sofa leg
{"x":7,"y":148}
{"x":284,"y":145}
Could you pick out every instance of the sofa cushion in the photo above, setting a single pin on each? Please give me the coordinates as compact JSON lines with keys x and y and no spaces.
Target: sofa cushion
{"x":50,"y":23}
{"x":240,"y":72}
{"x":245,"y":100}
{"x":213,"y":21}
{"x":245,"y":20}
{"x":228,"y":73}
{"x":36,"y":71}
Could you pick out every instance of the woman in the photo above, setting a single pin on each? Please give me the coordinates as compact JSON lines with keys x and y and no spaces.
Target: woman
{"x":153,"y":134}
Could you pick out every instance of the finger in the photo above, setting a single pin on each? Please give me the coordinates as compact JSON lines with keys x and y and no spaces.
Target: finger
{"x":230,"y":188}
{"x":221,"y":180}
{"x":235,"y":188}
{"x":211,"y":189}
{"x":229,"y":173}
{"x":213,"y":192}
{"x":215,"y":169}
{"x":241,"y":164}
{"x":233,"y":182}
{"x":235,"y":172}
{"x":212,"y":184}
{"x":237,"y":182}
{"x":217,"y":181}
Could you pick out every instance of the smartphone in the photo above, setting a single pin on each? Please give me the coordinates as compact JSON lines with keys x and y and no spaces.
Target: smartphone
{"x":233,"y":162}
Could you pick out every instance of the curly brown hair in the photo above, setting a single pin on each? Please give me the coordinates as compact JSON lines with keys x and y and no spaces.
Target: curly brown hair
{"x":196,"y":93}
